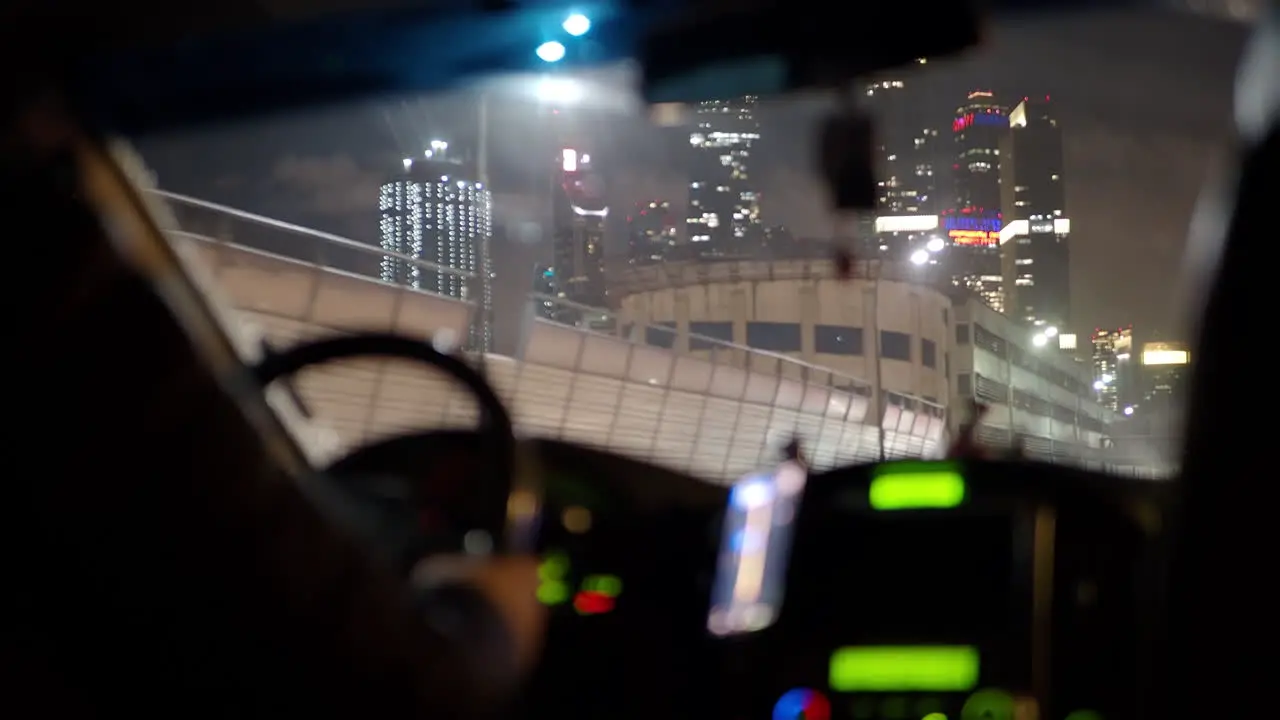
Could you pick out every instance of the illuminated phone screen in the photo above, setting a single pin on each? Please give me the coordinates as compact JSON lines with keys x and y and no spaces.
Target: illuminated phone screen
{"x":754,"y":550}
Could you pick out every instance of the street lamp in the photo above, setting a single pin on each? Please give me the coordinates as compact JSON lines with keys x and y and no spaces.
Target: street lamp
{"x":935,"y":244}
{"x":576,"y":24}
{"x":920,"y":257}
{"x":1039,"y":340}
{"x":551,"y":52}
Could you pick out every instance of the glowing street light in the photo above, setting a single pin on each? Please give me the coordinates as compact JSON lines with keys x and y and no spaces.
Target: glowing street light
{"x":935,"y":244}
{"x":1040,"y":340}
{"x":920,"y":257}
{"x":1050,"y":332}
{"x":1128,"y":409}
{"x":577,"y":24}
{"x":550,"y":52}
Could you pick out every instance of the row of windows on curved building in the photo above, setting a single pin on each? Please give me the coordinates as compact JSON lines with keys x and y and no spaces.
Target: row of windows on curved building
{"x":844,"y":340}
{"x":788,"y":337}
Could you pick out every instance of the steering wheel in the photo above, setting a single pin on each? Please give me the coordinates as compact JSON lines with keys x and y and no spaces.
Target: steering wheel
{"x":426,"y":492}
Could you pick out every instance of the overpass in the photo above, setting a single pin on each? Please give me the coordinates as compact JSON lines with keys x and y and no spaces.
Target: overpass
{"x":718,"y":414}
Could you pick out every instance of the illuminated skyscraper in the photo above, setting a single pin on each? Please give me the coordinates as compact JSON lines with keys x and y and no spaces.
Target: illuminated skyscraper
{"x":433,"y":211}
{"x":544,"y":285}
{"x":904,"y":150}
{"x":978,"y":129}
{"x":724,"y":207}
{"x":1034,"y":240}
{"x":651,"y":232}
{"x":1113,"y":368}
{"x":580,"y":214}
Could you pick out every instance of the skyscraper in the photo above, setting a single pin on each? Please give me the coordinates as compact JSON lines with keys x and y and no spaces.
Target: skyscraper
{"x":724,"y":207}
{"x":904,"y":149}
{"x":1113,"y":368}
{"x":433,"y":211}
{"x":979,"y":126}
{"x":1034,"y":240}
{"x":651,"y":232}
{"x":579,"y":217}
{"x":544,"y":285}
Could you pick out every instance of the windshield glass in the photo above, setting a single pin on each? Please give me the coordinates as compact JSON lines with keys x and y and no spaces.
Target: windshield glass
{"x":660,"y":281}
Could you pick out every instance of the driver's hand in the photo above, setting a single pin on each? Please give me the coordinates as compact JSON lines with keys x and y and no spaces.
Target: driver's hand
{"x":508,"y":586}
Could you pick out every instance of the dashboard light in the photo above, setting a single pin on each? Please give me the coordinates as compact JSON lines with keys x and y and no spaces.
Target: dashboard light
{"x":553,"y":567}
{"x":906,"y":668}
{"x":592,"y":603}
{"x":802,"y":704}
{"x":916,"y":485}
{"x":552,"y":589}
{"x":553,"y":592}
{"x":607,"y":585}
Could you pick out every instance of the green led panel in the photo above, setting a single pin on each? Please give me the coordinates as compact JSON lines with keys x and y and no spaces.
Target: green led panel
{"x":916,"y":485}
{"x":904,"y":668}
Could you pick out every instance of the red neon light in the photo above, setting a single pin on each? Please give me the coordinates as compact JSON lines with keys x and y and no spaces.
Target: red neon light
{"x":588,"y":602}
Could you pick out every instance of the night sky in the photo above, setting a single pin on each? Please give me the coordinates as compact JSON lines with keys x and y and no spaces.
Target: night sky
{"x":1144,"y":104}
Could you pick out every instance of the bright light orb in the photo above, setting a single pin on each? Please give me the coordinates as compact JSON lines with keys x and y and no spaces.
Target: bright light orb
{"x":577,"y":24}
{"x":550,"y":52}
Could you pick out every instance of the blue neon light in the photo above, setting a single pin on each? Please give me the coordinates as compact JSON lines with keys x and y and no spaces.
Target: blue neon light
{"x":988,"y":225}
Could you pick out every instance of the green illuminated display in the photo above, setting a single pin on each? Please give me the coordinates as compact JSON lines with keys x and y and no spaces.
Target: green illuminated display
{"x":916,"y":485}
{"x":552,"y":588}
{"x":595,"y":594}
{"x":607,"y":585}
{"x":906,"y":668}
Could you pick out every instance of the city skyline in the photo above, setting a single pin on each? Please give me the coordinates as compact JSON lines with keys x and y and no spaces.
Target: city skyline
{"x":1134,"y":164}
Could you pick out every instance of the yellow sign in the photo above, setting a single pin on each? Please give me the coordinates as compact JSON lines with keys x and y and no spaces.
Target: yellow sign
{"x":974,"y":237}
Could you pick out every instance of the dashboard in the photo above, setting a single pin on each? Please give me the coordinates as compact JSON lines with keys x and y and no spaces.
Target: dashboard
{"x":628,"y":561}
{"x":909,"y":590}
{"x":913,"y":590}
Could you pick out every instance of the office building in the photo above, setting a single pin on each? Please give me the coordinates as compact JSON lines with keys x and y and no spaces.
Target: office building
{"x":1034,"y":245}
{"x":580,"y":214}
{"x":1114,"y":374}
{"x":979,"y":126}
{"x":723,"y":214}
{"x":651,"y":232}
{"x":904,"y":149}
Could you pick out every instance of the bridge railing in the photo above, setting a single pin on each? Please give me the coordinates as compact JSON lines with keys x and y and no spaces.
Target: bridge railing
{"x":768,"y":397}
{"x":221,"y":223}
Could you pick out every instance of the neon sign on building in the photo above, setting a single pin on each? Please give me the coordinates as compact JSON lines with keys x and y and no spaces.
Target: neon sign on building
{"x":979,"y":119}
{"x":973,"y":231}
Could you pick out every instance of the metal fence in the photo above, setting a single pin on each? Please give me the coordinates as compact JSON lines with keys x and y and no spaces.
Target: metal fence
{"x":219,"y":223}
{"x":715,"y":413}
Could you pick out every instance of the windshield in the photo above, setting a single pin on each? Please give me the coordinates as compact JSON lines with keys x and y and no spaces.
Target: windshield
{"x":660,"y":281}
